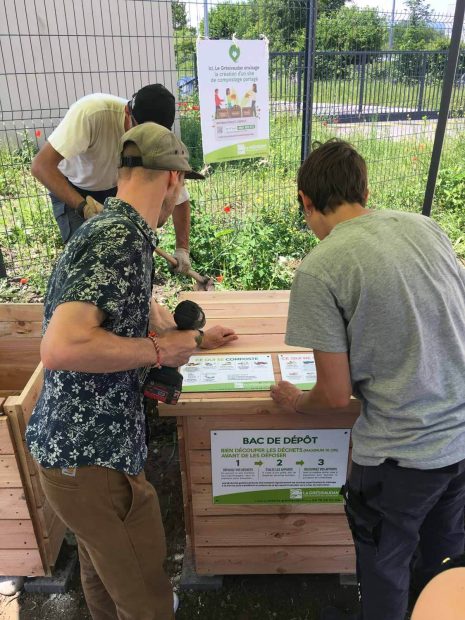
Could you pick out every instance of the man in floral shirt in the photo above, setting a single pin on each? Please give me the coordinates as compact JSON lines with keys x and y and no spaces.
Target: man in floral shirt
{"x":87,"y":431}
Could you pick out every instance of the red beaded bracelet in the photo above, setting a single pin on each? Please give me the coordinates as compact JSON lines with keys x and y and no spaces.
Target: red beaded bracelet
{"x":154,"y":339}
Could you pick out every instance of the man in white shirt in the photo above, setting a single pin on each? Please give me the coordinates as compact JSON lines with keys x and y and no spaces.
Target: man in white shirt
{"x":79,"y":162}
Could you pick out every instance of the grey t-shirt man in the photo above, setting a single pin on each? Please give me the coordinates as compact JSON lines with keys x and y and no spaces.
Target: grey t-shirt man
{"x":387,"y":288}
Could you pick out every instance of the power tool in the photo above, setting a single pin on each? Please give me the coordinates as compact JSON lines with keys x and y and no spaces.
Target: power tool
{"x":165,"y":384}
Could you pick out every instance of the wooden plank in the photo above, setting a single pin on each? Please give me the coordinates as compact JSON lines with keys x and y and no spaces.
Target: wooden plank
{"x":38,"y":495}
{"x":202,"y":505}
{"x":251,"y":325}
{"x":21,"y":312}
{"x":272,"y":560}
{"x":10,"y":477}
{"x":6,"y":444}
{"x":224,"y":311}
{"x":46,"y":516}
{"x":203,"y":298}
{"x":54,"y":541}
{"x":21,"y":329}
{"x":18,"y":359}
{"x":200,"y":426}
{"x":17,"y":534}
{"x":21,"y":562}
{"x":26,"y":401}
{"x":246,"y":403}
{"x":258,"y":530}
{"x":13,"y":504}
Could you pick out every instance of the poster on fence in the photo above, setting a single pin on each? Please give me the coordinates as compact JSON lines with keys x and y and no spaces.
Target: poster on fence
{"x":279,"y":466}
{"x":233,"y":92}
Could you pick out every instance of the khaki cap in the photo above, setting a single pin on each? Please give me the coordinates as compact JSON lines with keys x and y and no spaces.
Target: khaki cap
{"x":158,"y":148}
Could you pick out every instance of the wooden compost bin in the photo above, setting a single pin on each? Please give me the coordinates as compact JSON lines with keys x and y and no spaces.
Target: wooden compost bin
{"x":240,"y":539}
{"x":30,"y":532}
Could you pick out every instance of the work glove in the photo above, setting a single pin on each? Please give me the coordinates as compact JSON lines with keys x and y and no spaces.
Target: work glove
{"x":184,"y":261}
{"x":91,"y":208}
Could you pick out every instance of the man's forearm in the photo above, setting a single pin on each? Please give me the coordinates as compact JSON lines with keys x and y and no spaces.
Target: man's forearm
{"x":58,"y":184}
{"x":182,"y":224}
{"x":100,"y":352}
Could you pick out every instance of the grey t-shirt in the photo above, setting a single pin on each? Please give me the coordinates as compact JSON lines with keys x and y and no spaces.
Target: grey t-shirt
{"x":387,"y":288}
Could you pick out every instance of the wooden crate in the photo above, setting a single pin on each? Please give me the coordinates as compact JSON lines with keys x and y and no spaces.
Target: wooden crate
{"x":30,"y":532}
{"x":241,"y":539}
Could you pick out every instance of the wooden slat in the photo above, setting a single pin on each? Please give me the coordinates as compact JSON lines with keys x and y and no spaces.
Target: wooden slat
{"x":21,"y":329}
{"x":258,"y":530}
{"x":18,"y":359}
{"x":251,"y":325}
{"x":220,"y":311}
{"x":203,"y":298}
{"x":6,"y":445}
{"x":271,"y":560}
{"x":10,"y":478}
{"x":46,"y":516}
{"x":202,"y":505}
{"x":25,"y":402}
{"x":13,"y":504}
{"x":21,"y":562}
{"x":38,"y":495}
{"x":54,"y":541}
{"x":21,"y":312}
{"x":17,"y":534}
{"x":200,"y":426}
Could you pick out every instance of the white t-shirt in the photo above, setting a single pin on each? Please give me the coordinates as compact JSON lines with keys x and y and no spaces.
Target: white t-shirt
{"x":88,"y":138}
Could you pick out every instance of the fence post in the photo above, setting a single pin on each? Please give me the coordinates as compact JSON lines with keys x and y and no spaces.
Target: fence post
{"x":299,"y":82}
{"x":449,"y":78}
{"x":2,"y":266}
{"x":309,"y":73}
{"x":362,"y":81}
{"x":422,"y":81}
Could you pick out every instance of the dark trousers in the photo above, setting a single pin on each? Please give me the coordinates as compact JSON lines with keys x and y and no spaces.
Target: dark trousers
{"x":68,"y":219}
{"x":394,"y":511}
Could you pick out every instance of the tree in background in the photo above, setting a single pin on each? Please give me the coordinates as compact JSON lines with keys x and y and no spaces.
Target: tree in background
{"x":226,"y":19}
{"x":417,"y":32}
{"x":184,"y":38}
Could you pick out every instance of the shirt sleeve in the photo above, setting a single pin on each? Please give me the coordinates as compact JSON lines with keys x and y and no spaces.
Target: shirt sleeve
{"x":100,"y":272}
{"x":315,"y":320}
{"x":183,"y":195}
{"x":73,"y":135}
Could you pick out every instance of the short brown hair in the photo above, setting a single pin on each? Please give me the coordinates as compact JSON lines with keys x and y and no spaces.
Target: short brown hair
{"x":333,"y":173}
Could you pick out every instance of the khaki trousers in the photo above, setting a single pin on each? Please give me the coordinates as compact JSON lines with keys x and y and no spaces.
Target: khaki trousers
{"x":117,"y":522}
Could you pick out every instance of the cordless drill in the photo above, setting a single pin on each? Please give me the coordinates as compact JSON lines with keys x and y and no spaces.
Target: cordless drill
{"x":165,"y":384}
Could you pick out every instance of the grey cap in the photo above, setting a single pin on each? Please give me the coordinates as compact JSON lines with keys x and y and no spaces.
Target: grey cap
{"x":158,"y":148}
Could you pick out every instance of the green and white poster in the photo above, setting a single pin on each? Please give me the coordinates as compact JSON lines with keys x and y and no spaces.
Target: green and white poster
{"x":227,"y":373}
{"x":233,"y":94}
{"x":279,"y":466}
{"x":298,"y":368}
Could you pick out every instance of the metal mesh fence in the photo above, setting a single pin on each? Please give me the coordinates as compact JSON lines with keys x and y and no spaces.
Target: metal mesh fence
{"x":385,"y":100}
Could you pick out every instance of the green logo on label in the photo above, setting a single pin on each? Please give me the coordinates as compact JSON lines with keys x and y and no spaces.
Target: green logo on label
{"x":234,"y":52}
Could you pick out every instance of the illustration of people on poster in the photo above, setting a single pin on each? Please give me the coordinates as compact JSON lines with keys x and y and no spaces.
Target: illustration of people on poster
{"x":233,"y":92}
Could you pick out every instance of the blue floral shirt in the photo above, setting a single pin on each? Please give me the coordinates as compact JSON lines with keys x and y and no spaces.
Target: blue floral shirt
{"x":88,"y":418}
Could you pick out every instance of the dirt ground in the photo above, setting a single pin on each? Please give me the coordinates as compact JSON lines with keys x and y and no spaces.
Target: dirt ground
{"x":264,"y":597}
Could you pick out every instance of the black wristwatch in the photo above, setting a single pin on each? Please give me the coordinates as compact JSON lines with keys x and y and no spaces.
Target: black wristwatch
{"x":199,"y":338}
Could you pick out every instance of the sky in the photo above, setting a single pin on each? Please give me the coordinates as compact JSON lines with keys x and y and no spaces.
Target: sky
{"x":439,"y":7}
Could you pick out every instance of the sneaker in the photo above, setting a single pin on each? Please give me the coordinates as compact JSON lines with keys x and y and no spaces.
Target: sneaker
{"x":10,"y":585}
{"x":175,"y":602}
{"x":331,"y":613}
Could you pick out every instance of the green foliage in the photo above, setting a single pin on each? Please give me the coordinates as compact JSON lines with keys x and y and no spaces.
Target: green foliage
{"x":224,"y":20}
{"x":178,"y":11}
{"x":329,"y":6}
{"x":261,"y":253}
{"x":351,"y":28}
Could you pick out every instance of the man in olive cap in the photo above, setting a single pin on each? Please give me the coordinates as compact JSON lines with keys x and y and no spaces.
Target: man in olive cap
{"x":78,"y":163}
{"x":87,"y":431}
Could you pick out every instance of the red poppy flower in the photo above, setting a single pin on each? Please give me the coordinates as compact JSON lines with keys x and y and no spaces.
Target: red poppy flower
{"x":196,"y":107}
{"x":24,"y":280}
{"x":227,"y":209}
{"x":38,"y":133}
{"x":219,"y":278}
